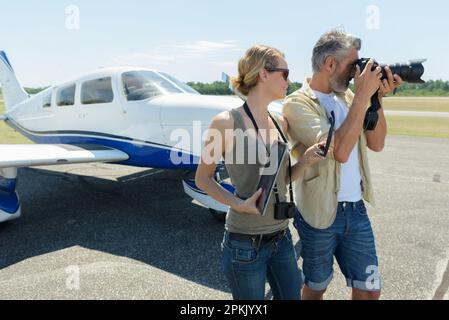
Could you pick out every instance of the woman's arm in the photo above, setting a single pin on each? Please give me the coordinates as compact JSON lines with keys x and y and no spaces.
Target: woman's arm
{"x":214,"y":148}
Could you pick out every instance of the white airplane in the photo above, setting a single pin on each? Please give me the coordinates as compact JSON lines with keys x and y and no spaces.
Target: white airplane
{"x":120,"y":115}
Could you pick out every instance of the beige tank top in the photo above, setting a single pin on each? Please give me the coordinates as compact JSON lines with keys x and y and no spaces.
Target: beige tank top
{"x":245,"y":177}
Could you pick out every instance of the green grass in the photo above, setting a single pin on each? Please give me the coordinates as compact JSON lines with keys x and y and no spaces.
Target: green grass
{"x":7,"y":134}
{"x":418,"y":126}
{"x":436,"y":104}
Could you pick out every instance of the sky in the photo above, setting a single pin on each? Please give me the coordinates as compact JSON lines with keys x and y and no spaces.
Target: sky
{"x":48,"y":42}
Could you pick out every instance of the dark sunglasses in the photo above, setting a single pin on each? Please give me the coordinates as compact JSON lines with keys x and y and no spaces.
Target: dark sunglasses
{"x":285,"y":72}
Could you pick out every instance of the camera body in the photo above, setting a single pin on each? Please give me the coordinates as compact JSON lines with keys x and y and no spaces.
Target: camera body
{"x":284,"y":210}
{"x":410,"y":72}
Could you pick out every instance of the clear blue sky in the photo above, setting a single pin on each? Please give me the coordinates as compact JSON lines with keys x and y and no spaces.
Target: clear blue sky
{"x":196,"y":40}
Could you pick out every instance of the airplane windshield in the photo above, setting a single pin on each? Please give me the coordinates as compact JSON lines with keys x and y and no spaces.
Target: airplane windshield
{"x":180,"y":84}
{"x":141,"y":85}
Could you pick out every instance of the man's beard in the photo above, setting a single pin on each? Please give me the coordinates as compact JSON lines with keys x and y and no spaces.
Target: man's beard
{"x":338,"y":84}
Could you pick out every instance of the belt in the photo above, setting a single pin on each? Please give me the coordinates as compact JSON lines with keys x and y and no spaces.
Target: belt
{"x":258,"y":237}
{"x":345,"y":204}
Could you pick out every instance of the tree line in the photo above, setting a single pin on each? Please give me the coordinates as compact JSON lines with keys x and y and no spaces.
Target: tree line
{"x":30,"y":90}
{"x":222,"y":89}
{"x":436,"y":88}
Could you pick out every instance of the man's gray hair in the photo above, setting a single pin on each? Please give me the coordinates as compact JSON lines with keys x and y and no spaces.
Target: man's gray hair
{"x":335,"y":43}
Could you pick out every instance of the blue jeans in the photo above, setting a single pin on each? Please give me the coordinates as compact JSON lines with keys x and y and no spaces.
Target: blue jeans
{"x":350,"y":239}
{"x":248,"y":264}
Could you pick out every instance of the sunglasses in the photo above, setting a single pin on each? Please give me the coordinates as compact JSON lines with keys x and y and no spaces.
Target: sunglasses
{"x":285,"y":72}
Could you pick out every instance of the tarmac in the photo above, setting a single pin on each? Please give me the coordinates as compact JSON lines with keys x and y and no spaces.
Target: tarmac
{"x":103,"y":231}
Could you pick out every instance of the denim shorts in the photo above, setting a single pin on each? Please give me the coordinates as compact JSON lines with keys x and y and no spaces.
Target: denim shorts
{"x":249,"y":264}
{"x":350,"y":240}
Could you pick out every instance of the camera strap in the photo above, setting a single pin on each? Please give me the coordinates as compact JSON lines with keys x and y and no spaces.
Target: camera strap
{"x":250,"y":115}
{"x":289,"y":161}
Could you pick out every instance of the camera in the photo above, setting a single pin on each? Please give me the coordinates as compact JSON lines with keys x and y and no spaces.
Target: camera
{"x":410,"y":72}
{"x":284,"y":210}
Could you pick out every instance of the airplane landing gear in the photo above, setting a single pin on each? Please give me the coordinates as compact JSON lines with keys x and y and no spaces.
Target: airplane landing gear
{"x":217,"y":210}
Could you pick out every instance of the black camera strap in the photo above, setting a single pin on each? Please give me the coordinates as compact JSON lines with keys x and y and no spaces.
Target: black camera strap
{"x":250,"y":115}
{"x":289,"y":160}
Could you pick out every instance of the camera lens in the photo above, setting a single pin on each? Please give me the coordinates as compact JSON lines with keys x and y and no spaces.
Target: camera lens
{"x":409,"y":72}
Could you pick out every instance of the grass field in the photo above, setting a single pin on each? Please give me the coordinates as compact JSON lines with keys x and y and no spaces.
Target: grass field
{"x":418,"y":126}
{"x":436,"y":104}
{"x":8,"y":135}
{"x":397,"y":125}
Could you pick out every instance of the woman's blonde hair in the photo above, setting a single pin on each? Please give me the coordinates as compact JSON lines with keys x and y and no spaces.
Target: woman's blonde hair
{"x":255,"y":59}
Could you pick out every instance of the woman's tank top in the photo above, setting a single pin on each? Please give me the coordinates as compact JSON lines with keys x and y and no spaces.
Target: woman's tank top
{"x":245,"y":176}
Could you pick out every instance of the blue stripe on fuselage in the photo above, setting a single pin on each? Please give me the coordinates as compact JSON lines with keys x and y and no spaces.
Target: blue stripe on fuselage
{"x":140,"y":154}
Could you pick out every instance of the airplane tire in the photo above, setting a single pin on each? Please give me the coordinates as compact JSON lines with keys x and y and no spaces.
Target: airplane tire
{"x":218,"y":215}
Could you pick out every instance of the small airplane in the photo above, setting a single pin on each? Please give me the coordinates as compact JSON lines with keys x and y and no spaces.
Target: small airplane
{"x":120,"y":115}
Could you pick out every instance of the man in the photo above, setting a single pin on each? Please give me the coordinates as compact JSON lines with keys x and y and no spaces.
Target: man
{"x":332,"y":219}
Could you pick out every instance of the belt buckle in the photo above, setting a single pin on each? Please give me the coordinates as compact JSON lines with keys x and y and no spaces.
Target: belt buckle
{"x":346,"y":204}
{"x":253,"y":241}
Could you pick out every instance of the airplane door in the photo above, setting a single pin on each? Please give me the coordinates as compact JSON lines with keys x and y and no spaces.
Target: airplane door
{"x":142,"y":116}
{"x":100,"y":109}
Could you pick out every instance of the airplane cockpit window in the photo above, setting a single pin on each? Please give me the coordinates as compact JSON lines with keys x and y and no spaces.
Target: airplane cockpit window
{"x":97,"y":91}
{"x":46,"y":101}
{"x":66,"y":96}
{"x":180,"y":84}
{"x":141,"y":85}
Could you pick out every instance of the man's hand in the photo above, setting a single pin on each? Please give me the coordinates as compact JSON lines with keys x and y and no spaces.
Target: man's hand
{"x":367,"y":82}
{"x":388,"y":85}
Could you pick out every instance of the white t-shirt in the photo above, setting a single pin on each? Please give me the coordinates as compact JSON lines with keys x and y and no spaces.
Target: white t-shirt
{"x":350,"y":178}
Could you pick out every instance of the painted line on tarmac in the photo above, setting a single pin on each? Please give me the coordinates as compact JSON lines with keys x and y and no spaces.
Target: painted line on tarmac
{"x":429,"y":114}
{"x":152,"y":173}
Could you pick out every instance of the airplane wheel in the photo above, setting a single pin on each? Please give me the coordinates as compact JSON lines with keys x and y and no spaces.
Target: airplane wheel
{"x":218,"y":215}
{"x":221,"y":174}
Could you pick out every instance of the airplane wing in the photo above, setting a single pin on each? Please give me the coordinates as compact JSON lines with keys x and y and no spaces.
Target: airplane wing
{"x":27,"y":155}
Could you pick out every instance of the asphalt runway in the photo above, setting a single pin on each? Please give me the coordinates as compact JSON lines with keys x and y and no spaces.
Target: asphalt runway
{"x":104,"y":231}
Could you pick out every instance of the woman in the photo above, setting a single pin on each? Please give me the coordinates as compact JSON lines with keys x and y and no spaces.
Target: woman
{"x":255,"y":247}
